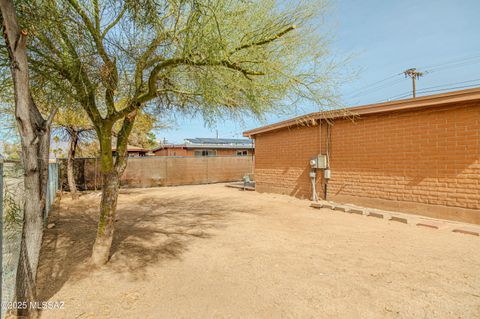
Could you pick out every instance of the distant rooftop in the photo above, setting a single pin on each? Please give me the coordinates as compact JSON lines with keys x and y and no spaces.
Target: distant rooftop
{"x":131,"y":148}
{"x":211,"y":143}
{"x":218,"y":141}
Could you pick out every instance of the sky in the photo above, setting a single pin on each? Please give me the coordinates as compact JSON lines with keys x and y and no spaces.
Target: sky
{"x":382,"y":38}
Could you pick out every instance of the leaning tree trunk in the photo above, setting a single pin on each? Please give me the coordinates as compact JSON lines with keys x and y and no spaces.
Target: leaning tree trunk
{"x":72,"y":185}
{"x":111,"y":173}
{"x":35,"y":139}
{"x":35,"y":163}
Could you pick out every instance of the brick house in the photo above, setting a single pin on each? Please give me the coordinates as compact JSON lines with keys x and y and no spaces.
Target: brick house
{"x":207,"y":147}
{"x":417,"y":155}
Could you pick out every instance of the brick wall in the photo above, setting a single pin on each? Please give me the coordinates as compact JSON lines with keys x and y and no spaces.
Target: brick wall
{"x":427,"y":157}
{"x":282,"y":160}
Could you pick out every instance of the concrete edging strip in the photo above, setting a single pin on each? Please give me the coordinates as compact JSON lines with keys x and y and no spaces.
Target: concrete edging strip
{"x":403,"y":218}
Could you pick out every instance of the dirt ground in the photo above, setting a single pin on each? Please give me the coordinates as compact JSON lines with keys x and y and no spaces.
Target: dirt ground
{"x":214,"y":252}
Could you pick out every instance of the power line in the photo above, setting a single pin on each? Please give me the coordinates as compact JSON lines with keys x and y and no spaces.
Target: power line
{"x":371,"y":86}
{"x":434,"y":87}
{"x":376,"y":88}
{"x":391,"y":81}
{"x":449,"y":84}
{"x":453,"y":66}
{"x":455,"y":61}
{"x":443,"y":87}
{"x":453,"y":88}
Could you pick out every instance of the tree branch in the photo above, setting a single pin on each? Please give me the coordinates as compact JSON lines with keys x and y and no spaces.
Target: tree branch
{"x":152,"y":80}
{"x":122,"y":142}
{"x":263,"y":42}
{"x":51,"y":116}
{"x":96,"y":9}
{"x":114,"y":22}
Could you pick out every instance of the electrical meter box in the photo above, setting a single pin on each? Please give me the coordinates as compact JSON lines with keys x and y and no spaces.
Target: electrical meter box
{"x":320,"y":161}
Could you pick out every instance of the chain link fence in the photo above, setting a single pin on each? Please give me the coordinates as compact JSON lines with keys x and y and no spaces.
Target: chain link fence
{"x":12,"y":217}
{"x":11,"y":208}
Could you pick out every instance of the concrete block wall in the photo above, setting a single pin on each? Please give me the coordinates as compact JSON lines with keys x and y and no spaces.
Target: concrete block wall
{"x":425,"y":160}
{"x":166,"y":171}
{"x":282,"y":160}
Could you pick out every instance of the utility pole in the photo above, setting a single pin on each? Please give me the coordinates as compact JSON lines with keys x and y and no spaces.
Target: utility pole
{"x":414,"y":75}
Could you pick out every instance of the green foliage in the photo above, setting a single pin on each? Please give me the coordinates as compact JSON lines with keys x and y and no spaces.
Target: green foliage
{"x":13,"y":214}
{"x":213,"y":57}
{"x":12,"y":151}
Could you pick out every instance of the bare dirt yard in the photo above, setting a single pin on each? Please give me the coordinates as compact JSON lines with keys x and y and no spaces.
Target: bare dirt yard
{"x":215,"y":252}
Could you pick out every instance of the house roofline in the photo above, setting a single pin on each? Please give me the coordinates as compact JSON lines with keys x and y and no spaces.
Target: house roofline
{"x":168,"y":146}
{"x":391,"y":106}
{"x":131,"y":148}
{"x":206,"y":146}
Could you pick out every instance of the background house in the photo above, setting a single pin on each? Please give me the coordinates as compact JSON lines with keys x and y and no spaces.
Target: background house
{"x":418,"y":155}
{"x":208,"y":147}
{"x":132,"y":151}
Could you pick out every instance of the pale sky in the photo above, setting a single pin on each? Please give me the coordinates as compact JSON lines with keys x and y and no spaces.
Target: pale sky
{"x":384,"y":37}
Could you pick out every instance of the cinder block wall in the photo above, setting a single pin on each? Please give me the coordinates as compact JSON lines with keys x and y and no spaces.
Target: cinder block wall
{"x":282,"y":160}
{"x":153,"y":171}
{"x":424,"y":161}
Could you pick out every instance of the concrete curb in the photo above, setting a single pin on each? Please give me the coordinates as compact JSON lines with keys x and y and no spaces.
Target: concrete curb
{"x":404,"y":218}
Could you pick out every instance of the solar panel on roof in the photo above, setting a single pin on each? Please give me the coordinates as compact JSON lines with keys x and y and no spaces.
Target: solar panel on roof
{"x":207,"y":140}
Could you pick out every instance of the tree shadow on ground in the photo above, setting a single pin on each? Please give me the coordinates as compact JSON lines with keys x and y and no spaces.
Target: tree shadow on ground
{"x":150,"y":229}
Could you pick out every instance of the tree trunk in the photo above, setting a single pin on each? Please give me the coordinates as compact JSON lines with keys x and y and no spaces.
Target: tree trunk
{"x":106,"y":223}
{"x":35,"y":181}
{"x":72,"y":185}
{"x":111,"y":173}
{"x":35,"y":139}
{"x":108,"y":204}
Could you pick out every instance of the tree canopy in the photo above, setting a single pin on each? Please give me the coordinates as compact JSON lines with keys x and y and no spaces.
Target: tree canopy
{"x":208,"y":56}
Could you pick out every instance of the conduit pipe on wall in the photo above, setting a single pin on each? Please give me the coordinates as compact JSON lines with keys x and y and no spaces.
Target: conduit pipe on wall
{"x":314,"y":181}
{"x":327,"y":153}
{"x":326,"y":167}
{"x":314,"y":178}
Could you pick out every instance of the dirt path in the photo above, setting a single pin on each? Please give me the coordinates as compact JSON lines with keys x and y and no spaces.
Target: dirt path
{"x":214,"y":252}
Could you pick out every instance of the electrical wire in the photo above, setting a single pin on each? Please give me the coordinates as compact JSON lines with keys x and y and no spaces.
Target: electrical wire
{"x":373,"y":85}
{"x":446,"y":64}
{"x":437,"y":88}
{"x":453,"y":88}
{"x":377,"y":88}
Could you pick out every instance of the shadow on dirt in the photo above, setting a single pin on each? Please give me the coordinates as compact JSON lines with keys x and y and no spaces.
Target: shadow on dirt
{"x":150,"y":229}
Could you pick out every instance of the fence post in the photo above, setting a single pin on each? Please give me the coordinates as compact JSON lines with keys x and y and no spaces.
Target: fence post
{"x":52,"y":187}
{"x":1,"y":232}
{"x":208,"y":175}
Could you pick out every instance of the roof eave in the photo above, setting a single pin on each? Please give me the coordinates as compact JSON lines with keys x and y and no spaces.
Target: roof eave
{"x":413,"y":103}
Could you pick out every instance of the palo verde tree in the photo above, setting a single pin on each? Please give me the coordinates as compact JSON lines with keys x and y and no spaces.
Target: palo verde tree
{"x":34,"y":132}
{"x":72,"y":125}
{"x":215,"y":57}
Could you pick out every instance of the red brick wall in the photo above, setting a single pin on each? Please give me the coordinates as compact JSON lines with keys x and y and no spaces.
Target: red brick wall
{"x":425,"y":156}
